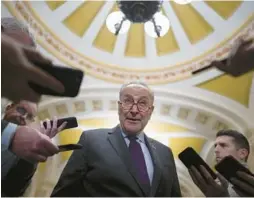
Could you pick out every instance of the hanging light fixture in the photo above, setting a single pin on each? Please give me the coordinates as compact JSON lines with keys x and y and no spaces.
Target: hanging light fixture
{"x":158,"y":26}
{"x":148,"y":12}
{"x":117,"y":23}
{"x":183,"y":2}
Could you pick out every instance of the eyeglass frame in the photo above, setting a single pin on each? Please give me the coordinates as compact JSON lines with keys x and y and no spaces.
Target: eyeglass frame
{"x":24,"y":112}
{"x":134,"y":103}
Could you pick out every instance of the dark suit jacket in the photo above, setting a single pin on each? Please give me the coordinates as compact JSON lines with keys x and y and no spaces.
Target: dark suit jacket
{"x":19,"y":176}
{"x":102,"y":168}
{"x":18,"y":179}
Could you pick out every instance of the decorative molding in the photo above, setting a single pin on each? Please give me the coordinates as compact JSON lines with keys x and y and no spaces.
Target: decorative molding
{"x":181,"y":106}
{"x":54,"y":45}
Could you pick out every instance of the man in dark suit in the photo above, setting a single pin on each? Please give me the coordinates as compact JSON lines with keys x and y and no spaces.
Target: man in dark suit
{"x":122,"y":161}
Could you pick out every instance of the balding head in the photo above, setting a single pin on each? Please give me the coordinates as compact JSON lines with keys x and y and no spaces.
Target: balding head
{"x":135,"y":107}
{"x":137,"y":84}
{"x":17,"y":30}
{"x":21,"y":113}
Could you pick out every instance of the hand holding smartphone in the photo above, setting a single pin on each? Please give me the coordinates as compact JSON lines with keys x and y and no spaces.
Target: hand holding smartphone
{"x":239,"y":61}
{"x":229,"y":166}
{"x":71,"y":122}
{"x":69,"y":77}
{"x":69,"y":147}
{"x":190,"y":157}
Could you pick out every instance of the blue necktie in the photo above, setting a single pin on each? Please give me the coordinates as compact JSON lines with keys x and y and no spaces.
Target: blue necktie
{"x":138,"y":161}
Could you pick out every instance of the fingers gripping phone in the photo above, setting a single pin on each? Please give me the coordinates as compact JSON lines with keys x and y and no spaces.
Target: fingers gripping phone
{"x":228,"y":167}
{"x":190,"y":157}
{"x":69,"y":147}
{"x":69,"y":77}
{"x":71,"y":122}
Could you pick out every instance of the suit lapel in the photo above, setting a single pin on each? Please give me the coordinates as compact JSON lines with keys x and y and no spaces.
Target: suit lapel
{"x":118,"y":143}
{"x":157,"y":166}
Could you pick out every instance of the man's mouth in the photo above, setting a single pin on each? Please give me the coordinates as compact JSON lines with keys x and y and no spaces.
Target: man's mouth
{"x":133,"y":119}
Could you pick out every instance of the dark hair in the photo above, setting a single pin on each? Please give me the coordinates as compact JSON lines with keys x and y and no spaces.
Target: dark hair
{"x":239,"y":139}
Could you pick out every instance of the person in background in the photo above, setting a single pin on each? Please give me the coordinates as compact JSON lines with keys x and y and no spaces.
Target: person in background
{"x":15,"y":170}
{"x":21,"y":140}
{"x":17,"y":56}
{"x":228,"y":142}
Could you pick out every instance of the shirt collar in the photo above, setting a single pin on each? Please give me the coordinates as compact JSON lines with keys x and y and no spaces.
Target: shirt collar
{"x":140,"y":136}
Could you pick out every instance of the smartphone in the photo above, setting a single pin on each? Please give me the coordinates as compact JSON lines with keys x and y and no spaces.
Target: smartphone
{"x":224,"y":62}
{"x":69,"y":147}
{"x":228,"y":167}
{"x":71,"y":122}
{"x":190,"y":157}
{"x":69,"y":77}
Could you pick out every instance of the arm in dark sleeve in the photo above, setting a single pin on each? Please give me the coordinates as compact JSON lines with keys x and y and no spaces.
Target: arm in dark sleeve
{"x":18,"y":179}
{"x":3,"y":125}
{"x":176,"y":191}
{"x":70,"y":181}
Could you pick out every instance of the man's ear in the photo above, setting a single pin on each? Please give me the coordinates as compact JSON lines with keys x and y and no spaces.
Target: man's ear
{"x":152,"y":108}
{"x":243,"y":153}
{"x":151,"y":111}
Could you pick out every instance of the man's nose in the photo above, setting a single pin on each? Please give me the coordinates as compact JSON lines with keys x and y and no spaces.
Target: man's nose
{"x":134,"y":108}
{"x":216,"y":149}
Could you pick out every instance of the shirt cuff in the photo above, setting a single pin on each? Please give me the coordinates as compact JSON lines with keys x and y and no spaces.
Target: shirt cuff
{"x":8,"y":134}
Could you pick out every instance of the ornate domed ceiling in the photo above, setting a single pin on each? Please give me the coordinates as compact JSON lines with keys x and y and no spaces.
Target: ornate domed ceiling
{"x":76,"y":33}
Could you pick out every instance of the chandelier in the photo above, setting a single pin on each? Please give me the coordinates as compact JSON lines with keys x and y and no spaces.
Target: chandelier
{"x":147,"y":12}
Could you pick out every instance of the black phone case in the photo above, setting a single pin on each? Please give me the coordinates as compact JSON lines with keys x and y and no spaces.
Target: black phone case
{"x":190,"y":157}
{"x":71,"y":122}
{"x":228,"y":167}
{"x":69,"y":147}
{"x":69,"y":77}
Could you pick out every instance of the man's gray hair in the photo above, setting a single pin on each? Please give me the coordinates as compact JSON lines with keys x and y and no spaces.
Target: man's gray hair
{"x":13,"y":24}
{"x":138,"y":83}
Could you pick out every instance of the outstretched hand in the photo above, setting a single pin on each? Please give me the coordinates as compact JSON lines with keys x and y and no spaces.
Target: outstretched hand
{"x":241,"y":60}
{"x":18,"y":69}
{"x":246,"y":184}
{"x":205,"y":182}
{"x":52,"y":130}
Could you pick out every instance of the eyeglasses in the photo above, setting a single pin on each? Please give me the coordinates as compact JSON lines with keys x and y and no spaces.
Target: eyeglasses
{"x":142,"y":106}
{"x":24,"y":112}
